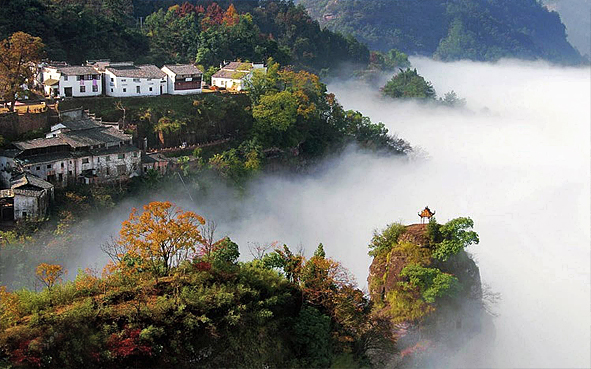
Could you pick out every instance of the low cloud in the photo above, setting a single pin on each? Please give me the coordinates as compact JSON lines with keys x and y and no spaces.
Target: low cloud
{"x":516,"y":160}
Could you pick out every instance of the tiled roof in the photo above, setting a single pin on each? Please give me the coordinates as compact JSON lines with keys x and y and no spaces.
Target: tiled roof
{"x":10,"y":153}
{"x":137,"y":71}
{"x":51,"y":82}
{"x":39,"y":143}
{"x":77,"y":70}
{"x":154,"y":158}
{"x":222,"y":73}
{"x":28,"y":179}
{"x":183,"y":69}
{"x":80,"y":124}
{"x":46,"y":158}
{"x":93,"y":137}
{"x":77,"y":138}
{"x":115,"y":150}
{"x":238,"y":66}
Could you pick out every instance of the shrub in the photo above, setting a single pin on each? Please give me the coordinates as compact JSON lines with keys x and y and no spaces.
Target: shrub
{"x":385,"y":241}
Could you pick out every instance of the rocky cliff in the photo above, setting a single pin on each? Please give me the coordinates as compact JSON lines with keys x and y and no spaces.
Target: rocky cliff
{"x":436,"y":305}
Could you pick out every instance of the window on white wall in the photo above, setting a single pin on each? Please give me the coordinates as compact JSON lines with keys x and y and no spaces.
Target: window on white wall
{"x":82,"y":88}
{"x":94,"y":88}
{"x":137,"y":89}
{"x":124,"y":90}
{"x":65,"y":78}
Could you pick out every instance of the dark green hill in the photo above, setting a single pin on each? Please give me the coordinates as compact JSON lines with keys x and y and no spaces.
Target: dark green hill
{"x":482,"y":30}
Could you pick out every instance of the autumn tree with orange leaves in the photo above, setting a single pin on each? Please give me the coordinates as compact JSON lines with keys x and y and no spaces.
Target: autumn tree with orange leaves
{"x":19,"y":56}
{"x":156,"y":240}
{"x":49,"y":274}
{"x":231,"y":17}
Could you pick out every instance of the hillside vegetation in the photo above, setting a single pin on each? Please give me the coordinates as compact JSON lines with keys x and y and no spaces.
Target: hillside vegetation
{"x":285,"y":111}
{"x":175,"y":295}
{"x":451,"y":29}
{"x":179,"y":31}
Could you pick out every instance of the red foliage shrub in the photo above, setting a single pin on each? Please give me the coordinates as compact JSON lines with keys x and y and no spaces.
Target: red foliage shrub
{"x":23,"y":356}
{"x":127,"y":344}
{"x":203,"y":265}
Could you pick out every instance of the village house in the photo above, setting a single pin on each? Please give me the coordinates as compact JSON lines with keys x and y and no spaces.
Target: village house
{"x":156,"y":162}
{"x":183,"y":79}
{"x":126,"y":79}
{"x":235,"y":75}
{"x":28,"y":197}
{"x":71,"y":81}
{"x":75,"y":151}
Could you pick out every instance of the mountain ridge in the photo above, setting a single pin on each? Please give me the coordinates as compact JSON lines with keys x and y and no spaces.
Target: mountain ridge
{"x":451,"y":29}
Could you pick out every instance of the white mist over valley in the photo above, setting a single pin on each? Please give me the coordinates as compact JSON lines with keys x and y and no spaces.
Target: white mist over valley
{"x":516,"y":160}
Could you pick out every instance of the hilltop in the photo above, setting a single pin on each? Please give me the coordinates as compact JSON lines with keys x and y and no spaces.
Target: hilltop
{"x":174,"y":295}
{"x":433,"y":297}
{"x":451,"y":29}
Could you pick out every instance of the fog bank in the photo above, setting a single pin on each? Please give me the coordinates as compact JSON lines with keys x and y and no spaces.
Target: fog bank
{"x":516,"y":160}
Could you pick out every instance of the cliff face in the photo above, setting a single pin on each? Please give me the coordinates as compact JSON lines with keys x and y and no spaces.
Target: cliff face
{"x":426,"y":327}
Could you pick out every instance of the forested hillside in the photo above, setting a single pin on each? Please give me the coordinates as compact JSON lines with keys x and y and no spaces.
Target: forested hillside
{"x":576,"y":16}
{"x":151,"y":31}
{"x":176,"y":295}
{"x":451,"y":29}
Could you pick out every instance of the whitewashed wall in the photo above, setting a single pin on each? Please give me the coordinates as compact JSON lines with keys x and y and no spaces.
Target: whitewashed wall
{"x":127,"y":87}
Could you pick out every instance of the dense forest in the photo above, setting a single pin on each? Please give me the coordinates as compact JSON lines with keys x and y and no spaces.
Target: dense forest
{"x":161,"y":32}
{"x":451,"y":29}
{"x":576,"y":17}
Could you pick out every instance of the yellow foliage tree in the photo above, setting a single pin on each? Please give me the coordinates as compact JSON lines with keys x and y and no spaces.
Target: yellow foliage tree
{"x":9,"y":308}
{"x":159,"y":238}
{"x":49,"y":274}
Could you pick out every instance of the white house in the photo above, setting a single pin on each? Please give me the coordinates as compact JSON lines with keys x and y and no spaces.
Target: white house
{"x":71,"y":81}
{"x":183,"y":79}
{"x":125,"y":80}
{"x":234,"y":75}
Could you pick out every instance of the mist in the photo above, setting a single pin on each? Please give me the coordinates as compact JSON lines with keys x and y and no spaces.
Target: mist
{"x":516,"y":160}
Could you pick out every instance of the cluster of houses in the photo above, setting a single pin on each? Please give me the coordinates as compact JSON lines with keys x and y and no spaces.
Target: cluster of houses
{"x":124,"y":79}
{"x":81,"y":149}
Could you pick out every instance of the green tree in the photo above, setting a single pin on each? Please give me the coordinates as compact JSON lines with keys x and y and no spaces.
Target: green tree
{"x":385,"y":240}
{"x":275,"y":114}
{"x":312,"y":335}
{"x":457,"y":235}
{"x":451,"y":99}
{"x":431,"y":282}
{"x":409,"y":84}
{"x":263,"y":82}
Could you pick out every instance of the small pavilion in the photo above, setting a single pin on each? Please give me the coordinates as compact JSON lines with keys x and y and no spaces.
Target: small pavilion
{"x":426,"y":214}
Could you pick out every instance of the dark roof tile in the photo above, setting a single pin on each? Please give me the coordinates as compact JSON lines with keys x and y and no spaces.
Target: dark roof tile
{"x":183,"y":69}
{"x":137,"y":71}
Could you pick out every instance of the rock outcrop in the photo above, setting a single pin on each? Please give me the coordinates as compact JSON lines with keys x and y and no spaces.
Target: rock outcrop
{"x":426,"y":329}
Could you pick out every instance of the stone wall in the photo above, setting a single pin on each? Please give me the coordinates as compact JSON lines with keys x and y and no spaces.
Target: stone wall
{"x":13,"y":125}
